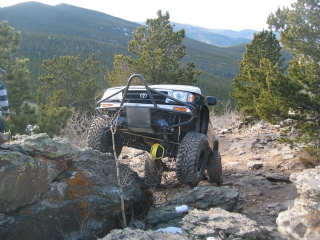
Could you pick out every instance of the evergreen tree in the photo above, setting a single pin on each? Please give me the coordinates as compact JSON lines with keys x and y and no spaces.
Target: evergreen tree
{"x":277,"y":96}
{"x":19,"y":89}
{"x":300,"y":35}
{"x":299,"y":28}
{"x":16,"y":79}
{"x":157,"y":52}
{"x":9,"y":44}
{"x":252,"y":77}
{"x":69,"y":83}
{"x":28,"y":116}
{"x":52,"y":119}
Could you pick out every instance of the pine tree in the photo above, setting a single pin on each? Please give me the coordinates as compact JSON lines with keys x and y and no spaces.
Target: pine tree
{"x":300,"y":35}
{"x":9,"y":44}
{"x":16,"y":79}
{"x":28,"y":116}
{"x":299,"y":28}
{"x":52,"y":119}
{"x":278,"y":96}
{"x":69,"y":83}
{"x":157,"y":52}
{"x":252,"y":77}
{"x":19,"y":89}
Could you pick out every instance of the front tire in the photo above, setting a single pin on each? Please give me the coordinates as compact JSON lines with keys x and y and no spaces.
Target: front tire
{"x":100,"y":137}
{"x":214,"y":168}
{"x":192,"y":158}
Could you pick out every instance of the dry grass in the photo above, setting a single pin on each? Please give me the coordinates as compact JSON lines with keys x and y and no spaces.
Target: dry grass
{"x":228,"y":119}
{"x":309,"y":160}
{"x":75,"y":132}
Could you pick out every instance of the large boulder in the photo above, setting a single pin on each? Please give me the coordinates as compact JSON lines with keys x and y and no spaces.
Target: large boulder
{"x":218,"y":223}
{"x":51,"y":190}
{"x":201,"y":197}
{"x":137,"y":234}
{"x":302,"y":221}
{"x":28,"y":167}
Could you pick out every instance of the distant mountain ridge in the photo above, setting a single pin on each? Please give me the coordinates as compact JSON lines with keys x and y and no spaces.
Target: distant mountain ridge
{"x":30,"y":13}
{"x":42,"y":18}
{"x":217,"y":37}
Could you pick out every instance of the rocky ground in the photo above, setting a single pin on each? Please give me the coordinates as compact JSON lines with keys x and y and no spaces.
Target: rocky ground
{"x":53,"y":190}
{"x":254,"y":163}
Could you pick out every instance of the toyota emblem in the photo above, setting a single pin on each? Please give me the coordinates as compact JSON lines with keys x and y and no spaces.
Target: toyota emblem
{"x":143,"y":95}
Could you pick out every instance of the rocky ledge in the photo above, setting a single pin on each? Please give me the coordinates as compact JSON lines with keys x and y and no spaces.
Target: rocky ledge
{"x":51,"y":190}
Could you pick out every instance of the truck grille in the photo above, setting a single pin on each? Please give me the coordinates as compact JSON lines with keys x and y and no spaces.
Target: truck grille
{"x":143,"y":97}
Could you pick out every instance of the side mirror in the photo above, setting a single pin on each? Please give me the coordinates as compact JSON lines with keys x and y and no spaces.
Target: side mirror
{"x":211,"y":100}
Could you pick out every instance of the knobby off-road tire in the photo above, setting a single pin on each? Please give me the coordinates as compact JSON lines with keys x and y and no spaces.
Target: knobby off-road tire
{"x":192,"y":158}
{"x":153,"y":171}
{"x":214,"y":168}
{"x":100,"y":137}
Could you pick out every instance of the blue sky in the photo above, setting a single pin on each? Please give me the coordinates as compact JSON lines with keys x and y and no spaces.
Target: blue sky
{"x":213,"y":14}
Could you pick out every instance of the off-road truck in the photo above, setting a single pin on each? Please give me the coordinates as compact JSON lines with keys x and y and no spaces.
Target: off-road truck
{"x":165,"y":120}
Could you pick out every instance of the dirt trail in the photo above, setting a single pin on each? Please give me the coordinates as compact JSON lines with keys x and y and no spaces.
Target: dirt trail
{"x":259,"y":167}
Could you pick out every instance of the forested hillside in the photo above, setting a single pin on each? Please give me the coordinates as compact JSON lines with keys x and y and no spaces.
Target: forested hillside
{"x":68,"y":30}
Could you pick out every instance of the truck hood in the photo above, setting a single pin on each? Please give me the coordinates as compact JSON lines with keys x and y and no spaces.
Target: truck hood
{"x":159,"y":87}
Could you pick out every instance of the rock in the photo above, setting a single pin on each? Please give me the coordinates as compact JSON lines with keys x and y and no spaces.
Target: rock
{"x":136,"y":224}
{"x":255,"y":181}
{"x":276,"y":187}
{"x":288,"y":204}
{"x":137,"y":234}
{"x":225,"y":131}
{"x":302,"y":220}
{"x":42,"y":144}
{"x":241,"y":153}
{"x":200,"y":224}
{"x":42,"y":200}
{"x":24,"y":178}
{"x":238,"y":175}
{"x":241,"y":125}
{"x":287,"y":156}
{"x":273,"y":205}
{"x":258,"y":193}
{"x":254,"y":164}
{"x":277,"y":177}
{"x":201,"y":197}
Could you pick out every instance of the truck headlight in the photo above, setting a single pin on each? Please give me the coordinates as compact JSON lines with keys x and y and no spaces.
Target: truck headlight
{"x":110,"y":92}
{"x":181,"y":96}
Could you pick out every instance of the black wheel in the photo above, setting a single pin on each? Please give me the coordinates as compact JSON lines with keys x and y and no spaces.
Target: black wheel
{"x":153,"y":171}
{"x":192,"y":158}
{"x":214,"y":168}
{"x":100,"y":137}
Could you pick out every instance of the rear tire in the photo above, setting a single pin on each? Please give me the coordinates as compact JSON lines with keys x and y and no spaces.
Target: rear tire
{"x":100,"y":137}
{"x":192,"y":158}
{"x":153,"y":169}
{"x":214,"y":168}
